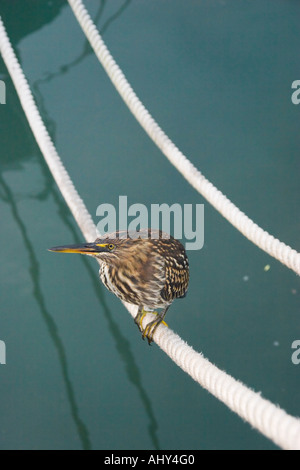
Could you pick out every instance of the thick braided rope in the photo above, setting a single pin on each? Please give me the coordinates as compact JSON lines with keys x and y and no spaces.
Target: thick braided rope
{"x":263,"y":415}
{"x":43,"y":139}
{"x":274,"y":247}
{"x":273,"y":422}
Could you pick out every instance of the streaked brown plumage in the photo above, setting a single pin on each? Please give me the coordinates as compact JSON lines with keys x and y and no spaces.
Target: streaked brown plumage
{"x":150,"y":271}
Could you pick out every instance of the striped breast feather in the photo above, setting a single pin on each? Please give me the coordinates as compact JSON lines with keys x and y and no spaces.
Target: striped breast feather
{"x":177,"y":277}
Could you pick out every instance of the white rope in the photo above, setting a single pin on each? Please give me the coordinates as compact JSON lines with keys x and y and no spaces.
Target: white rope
{"x":273,"y":422}
{"x":235,"y":216}
{"x":44,"y":141}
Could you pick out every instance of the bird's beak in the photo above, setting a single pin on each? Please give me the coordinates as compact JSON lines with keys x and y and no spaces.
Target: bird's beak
{"x":84,"y":248}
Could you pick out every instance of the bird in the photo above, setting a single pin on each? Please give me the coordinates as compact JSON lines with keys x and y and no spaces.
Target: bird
{"x":149,"y":271}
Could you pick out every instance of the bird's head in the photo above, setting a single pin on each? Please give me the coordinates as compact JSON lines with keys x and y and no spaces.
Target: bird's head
{"x":102,"y":249}
{"x":112,"y":249}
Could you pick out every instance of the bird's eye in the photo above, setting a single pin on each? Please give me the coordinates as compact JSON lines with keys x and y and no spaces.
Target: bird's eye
{"x":111,"y":246}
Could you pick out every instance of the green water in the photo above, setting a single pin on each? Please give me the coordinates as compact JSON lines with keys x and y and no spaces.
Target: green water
{"x":217,"y":76}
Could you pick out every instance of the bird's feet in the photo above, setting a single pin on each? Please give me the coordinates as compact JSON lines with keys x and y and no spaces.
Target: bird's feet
{"x":149,"y":329}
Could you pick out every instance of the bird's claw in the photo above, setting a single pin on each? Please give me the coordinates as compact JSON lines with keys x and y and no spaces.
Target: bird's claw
{"x":149,"y":329}
{"x":139,"y":319}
